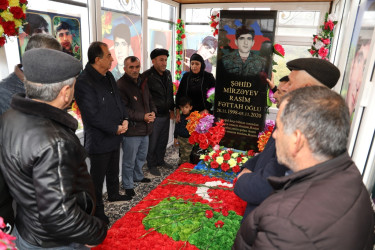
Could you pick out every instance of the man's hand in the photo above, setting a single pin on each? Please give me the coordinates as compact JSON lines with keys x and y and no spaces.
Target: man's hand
{"x":171,"y":115}
{"x":178,"y":116}
{"x":125,"y":124}
{"x":244,"y":171}
{"x":271,"y":82}
{"x":149,"y":117}
{"x":120,"y":130}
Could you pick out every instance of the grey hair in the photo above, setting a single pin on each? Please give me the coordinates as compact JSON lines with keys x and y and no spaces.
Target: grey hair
{"x":46,"y":92}
{"x":322,"y":116}
{"x":41,"y":40}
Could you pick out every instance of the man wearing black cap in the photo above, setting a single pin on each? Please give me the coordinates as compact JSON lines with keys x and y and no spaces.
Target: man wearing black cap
{"x":42,"y":159}
{"x":104,"y":121}
{"x":159,"y":82}
{"x":252,"y":185}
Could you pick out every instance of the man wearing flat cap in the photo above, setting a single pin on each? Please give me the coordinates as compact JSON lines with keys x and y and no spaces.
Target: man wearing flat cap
{"x":252,"y":185}
{"x":105,"y":120}
{"x":42,"y":159}
{"x":159,"y":81}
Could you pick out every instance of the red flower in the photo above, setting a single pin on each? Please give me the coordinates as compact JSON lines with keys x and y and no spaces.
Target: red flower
{"x":279,"y":50}
{"x":230,"y":151}
{"x":17,"y":12}
{"x":207,"y":158}
{"x":250,"y":153}
{"x":236,"y":169}
{"x":203,"y":145}
{"x":219,"y":224}
{"x":225,"y":166}
{"x":312,"y":52}
{"x":178,"y":20}
{"x":2,"y":41}
{"x":239,"y":159}
{"x":326,"y":41}
{"x":225,"y":212}
{"x":329,"y":25}
{"x":315,"y":38}
{"x":183,"y":36}
{"x":209,"y":214}
{"x":214,"y":164}
{"x":9,"y":28}
{"x":178,"y":31}
{"x":178,"y":62}
{"x":226,"y":157}
{"x":4,"y":4}
{"x":76,"y":48}
{"x":23,"y":1}
{"x":323,"y":52}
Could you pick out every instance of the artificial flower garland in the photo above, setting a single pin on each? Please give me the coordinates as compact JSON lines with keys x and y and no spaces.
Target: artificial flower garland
{"x":12,"y":17}
{"x":214,"y":23}
{"x":322,"y":41}
{"x":180,"y":30}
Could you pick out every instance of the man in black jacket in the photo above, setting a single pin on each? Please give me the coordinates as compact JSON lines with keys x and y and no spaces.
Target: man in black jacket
{"x":141,"y":110}
{"x":42,"y":159}
{"x":159,"y":82}
{"x":104,"y":119}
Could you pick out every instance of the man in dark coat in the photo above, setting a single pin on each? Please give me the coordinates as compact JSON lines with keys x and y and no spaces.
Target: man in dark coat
{"x":8,"y":87}
{"x":252,"y":185}
{"x":141,"y":110}
{"x":159,"y":81}
{"x":323,"y":204}
{"x":104,"y":119}
{"x":42,"y":159}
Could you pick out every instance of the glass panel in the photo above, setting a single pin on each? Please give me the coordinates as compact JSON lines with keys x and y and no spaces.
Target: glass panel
{"x":305,"y":18}
{"x":130,"y":6}
{"x":123,"y":34}
{"x":160,"y":35}
{"x":161,"y":10}
{"x":301,"y":32}
{"x":199,"y":15}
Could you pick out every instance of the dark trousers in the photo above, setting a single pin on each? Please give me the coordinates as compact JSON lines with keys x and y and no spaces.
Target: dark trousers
{"x":105,"y":165}
{"x":158,"y":141}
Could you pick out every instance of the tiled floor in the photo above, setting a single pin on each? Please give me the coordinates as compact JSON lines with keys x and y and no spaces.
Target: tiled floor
{"x":115,"y":210}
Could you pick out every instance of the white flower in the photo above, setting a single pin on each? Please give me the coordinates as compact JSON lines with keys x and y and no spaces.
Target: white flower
{"x":217,"y":147}
{"x":235,"y":155}
{"x":219,"y":159}
{"x":214,"y":13}
{"x":319,"y":44}
{"x":232,"y":162}
{"x":217,"y":19}
{"x":244,"y":159}
{"x":201,"y":157}
{"x":332,"y":17}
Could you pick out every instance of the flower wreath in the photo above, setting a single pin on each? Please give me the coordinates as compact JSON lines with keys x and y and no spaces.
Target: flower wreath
{"x":214,"y":23}
{"x":322,"y":41}
{"x":180,"y":30}
{"x":12,"y":17}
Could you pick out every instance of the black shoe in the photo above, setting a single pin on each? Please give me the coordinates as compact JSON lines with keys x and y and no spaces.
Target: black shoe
{"x":154,"y":171}
{"x":145,"y":180}
{"x":99,"y":212}
{"x":129,"y":192}
{"x":119,"y":197}
{"x":166,"y":165}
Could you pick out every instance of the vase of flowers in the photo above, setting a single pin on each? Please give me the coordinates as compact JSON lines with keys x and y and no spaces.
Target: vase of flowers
{"x":204,"y":133}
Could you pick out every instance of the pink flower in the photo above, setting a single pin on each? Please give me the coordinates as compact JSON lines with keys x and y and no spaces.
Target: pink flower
{"x":312,"y":52}
{"x":323,"y":52}
{"x":315,"y":38}
{"x":279,"y":50}
{"x":329,"y":25}
{"x":326,"y":41}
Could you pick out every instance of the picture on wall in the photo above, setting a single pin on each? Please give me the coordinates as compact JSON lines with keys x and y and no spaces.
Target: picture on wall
{"x":122,"y":33}
{"x":66,"y":29}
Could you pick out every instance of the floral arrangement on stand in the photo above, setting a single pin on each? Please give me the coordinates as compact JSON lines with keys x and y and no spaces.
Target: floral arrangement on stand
{"x":265,"y":134}
{"x":180,"y":30}
{"x":214,"y":23}
{"x":202,"y":130}
{"x":227,"y":160}
{"x":6,"y":240}
{"x":12,"y":17}
{"x":322,"y":41}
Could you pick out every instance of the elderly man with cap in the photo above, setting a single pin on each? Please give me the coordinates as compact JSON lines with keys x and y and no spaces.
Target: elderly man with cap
{"x":252,"y":185}
{"x":159,"y":81}
{"x":42,"y":159}
{"x":323,"y":204}
{"x":104,"y":121}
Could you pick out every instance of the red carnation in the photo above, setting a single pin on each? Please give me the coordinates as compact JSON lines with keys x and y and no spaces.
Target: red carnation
{"x":226,"y":157}
{"x":203,"y":145}
{"x":9,"y":28}
{"x":209,"y":214}
{"x":4,"y":4}
{"x":214,"y":164}
{"x":236,"y":169}
{"x":2,"y":41}
{"x":219,"y":224}
{"x":17,"y":12}
{"x":225,"y":166}
{"x":329,"y":25}
{"x":207,"y":158}
{"x":239,"y":159}
{"x":230,"y":151}
{"x":250,"y":153}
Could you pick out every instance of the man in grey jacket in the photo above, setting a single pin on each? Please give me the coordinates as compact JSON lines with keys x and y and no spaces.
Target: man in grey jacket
{"x":323,"y":204}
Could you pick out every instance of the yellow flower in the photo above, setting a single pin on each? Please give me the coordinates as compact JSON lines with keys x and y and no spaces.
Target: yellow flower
{"x":244,"y":159}
{"x":219,"y":159}
{"x":13,"y":3}
{"x":7,"y":16}
{"x":235,"y":155}
{"x":18,"y":23}
{"x":201,"y":157}
{"x":1,"y":30}
{"x":24,"y":8}
{"x":232,"y":162}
